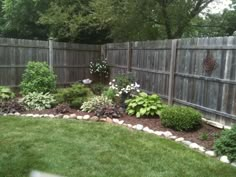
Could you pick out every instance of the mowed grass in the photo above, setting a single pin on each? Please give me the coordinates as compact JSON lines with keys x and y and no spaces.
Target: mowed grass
{"x":83,"y":149}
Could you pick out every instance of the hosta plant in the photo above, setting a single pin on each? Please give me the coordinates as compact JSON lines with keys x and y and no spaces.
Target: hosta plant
{"x":144,"y":105}
{"x":6,"y":93}
{"x":38,"y":101}
{"x":95,"y":102}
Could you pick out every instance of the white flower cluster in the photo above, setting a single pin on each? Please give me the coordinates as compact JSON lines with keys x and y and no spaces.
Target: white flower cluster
{"x":129,"y":89}
{"x":99,"y":67}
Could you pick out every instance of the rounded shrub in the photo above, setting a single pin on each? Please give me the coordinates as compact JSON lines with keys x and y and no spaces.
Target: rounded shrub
{"x":226,"y":144}
{"x":181,"y":118}
{"x":38,"y":78}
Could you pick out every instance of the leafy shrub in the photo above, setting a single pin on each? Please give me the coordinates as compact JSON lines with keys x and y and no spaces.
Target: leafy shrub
{"x":75,"y":96}
{"x":98,"y":88}
{"x":100,"y":68}
{"x":110,"y":94}
{"x":109,"y":111}
{"x":38,"y":78}
{"x":95,"y":102}
{"x":181,"y":118}
{"x":6,"y":93}
{"x":122,"y":80}
{"x":144,"y":105}
{"x":226,"y":144}
{"x":12,"y":106}
{"x":62,"y":108}
{"x":38,"y":101}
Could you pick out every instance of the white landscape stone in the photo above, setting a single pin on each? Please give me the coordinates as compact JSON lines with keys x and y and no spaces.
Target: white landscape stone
{"x":233,"y":164}
{"x":173,"y":137}
{"x":179,"y":139}
{"x":194,"y":146}
{"x":66,"y":117}
{"x":17,"y":114}
{"x":79,"y":117}
{"x":121,"y":122}
{"x":224,"y":159}
{"x":86,"y":117}
{"x":129,"y":125}
{"x":51,"y":116}
{"x":4,"y":114}
{"x":159,"y":133}
{"x":210,"y":153}
{"x":73,"y":116}
{"x":167,"y":134}
{"x":187,"y":142}
{"x":201,"y":149}
{"x":146,"y":129}
{"x":116,"y":120}
{"x":139,"y":127}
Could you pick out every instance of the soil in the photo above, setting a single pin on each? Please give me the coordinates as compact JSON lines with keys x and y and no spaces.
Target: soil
{"x":155,"y":124}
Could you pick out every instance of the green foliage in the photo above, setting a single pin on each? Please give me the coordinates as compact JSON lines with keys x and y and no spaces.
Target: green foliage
{"x":95,"y":102}
{"x":144,"y":105}
{"x":6,"y":93}
{"x":226,"y":144}
{"x":62,"y":108}
{"x":122,"y":80}
{"x":75,"y":95}
{"x":181,"y":118}
{"x":109,"y":111}
{"x":204,"y":136}
{"x":38,"y":78}
{"x":12,"y":106}
{"x":38,"y":101}
{"x":99,"y":68}
{"x":110,"y":94}
{"x":98,"y":88}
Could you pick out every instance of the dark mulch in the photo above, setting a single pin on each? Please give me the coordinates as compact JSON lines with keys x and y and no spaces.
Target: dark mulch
{"x":155,"y":124}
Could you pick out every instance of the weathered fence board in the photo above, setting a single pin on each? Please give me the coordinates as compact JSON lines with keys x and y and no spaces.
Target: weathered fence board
{"x":69,"y":61}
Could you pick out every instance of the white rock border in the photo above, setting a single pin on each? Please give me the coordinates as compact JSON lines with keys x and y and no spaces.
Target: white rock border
{"x":139,"y":127}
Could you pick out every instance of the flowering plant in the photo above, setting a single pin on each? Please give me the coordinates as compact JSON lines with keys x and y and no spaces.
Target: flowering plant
{"x":99,"y":67}
{"x":130,"y":89}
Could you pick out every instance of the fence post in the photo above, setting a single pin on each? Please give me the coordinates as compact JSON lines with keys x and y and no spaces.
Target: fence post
{"x":172,"y":71}
{"x":129,"y":57}
{"x":50,"y":54}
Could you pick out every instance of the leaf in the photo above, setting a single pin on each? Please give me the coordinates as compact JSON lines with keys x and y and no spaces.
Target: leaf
{"x":143,"y":111}
{"x":143,"y":94}
{"x":138,"y":114}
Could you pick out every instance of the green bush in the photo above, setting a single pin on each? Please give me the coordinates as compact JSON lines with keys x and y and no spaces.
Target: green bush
{"x":38,"y":101}
{"x":144,"y":105}
{"x":98,"y":88}
{"x":75,"y":95}
{"x":121,"y":81}
{"x":110,"y":94}
{"x":95,"y":102}
{"x":181,"y":118}
{"x":6,"y":93}
{"x":38,"y":78}
{"x":226,"y":144}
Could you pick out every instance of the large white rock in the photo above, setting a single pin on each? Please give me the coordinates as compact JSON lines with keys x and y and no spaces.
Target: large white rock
{"x":173,"y":137}
{"x":121,"y":122}
{"x":146,"y":129}
{"x":139,"y":127}
{"x":224,"y":159}
{"x":233,"y":164}
{"x":187,"y":142}
{"x":210,"y":153}
{"x":167,"y":134}
{"x":179,"y":139}
{"x":129,"y":125}
{"x":194,"y":146}
{"x":86,"y":117}
{"x":66,"y":117}
{"x":17,"y":114}
{"x":158,"y":133}
{"x":116,"y":121}
{"x":201,"y":149}
{"x":51,"y":116}
{"x":79,"y":117}
{"x":73,"y":116}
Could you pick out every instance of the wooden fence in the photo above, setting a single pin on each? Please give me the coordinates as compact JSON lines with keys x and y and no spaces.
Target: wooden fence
{"x":174,"y":69}
{"x":69,"y":61}
{"x":180,"y":73}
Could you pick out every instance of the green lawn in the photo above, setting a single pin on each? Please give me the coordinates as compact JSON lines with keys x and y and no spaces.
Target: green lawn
{"x":83,"y":149}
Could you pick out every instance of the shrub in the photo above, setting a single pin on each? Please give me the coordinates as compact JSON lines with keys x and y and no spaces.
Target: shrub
{"x":109,"y":111}
{"x":6,"y":93}
{"x":38,"y":78}
{"x":181,"y":118}
{"x":98,"y":88}
{"x":121,"y":81}
{"x":62,"y":108}
{"x":38,"y":101}
{"x":95,"y":102}
{"x":75,"y":96}
{"x":226,"y":144}
{"x":100,"y":68}
{"x":144,"y":105}
{"x":110,"y":94}
{"x":12,"y":106}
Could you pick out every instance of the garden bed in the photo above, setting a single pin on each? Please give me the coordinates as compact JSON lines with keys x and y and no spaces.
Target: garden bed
{"x":155,"y":124}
